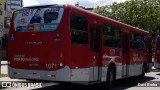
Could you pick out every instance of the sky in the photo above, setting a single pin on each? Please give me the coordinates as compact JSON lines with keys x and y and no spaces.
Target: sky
{"x":84,"y":3}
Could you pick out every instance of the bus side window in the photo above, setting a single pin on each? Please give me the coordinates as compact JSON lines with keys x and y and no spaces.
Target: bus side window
{"x":157,"y":48}
{"x":117,"y":37}
{"x":79,"y":29}
{"x":132,"y":41}
{"x":157,"y":44}
{"x":138,"y":42}
{"x":135,"y":41}
{"x":158,"y":41}
{"x":107,"y":35}
{"x":144,"y":47}
{"x":111,"y":36}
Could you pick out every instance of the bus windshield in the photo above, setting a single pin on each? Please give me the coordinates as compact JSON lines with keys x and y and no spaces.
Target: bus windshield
{"x":37,"y":19}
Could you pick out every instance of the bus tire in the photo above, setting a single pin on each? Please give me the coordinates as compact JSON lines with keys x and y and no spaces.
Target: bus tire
{"x":143,"y":72}
{"x":110,"y":77}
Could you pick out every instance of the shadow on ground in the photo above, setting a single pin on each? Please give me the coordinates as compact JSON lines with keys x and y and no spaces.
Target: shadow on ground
{"x":119,"y":84}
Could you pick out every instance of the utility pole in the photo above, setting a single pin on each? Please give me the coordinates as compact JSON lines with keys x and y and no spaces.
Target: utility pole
{"x":21,"y":3}
{"x":0,"y":38}
{"x":10,"y":5}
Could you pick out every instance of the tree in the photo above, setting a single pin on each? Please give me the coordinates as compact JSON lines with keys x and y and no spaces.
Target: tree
{"x":144,"y":14}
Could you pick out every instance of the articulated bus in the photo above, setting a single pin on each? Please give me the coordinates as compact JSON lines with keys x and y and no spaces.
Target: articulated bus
{"x":64,"y":43}
{"x":157,"y":53}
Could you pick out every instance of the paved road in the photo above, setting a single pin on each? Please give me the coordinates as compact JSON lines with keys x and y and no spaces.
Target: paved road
{"x":133,"y":83}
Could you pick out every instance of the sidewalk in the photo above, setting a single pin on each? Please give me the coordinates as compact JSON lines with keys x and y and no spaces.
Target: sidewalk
{"x":4,"y":70}
{"x":4,"y":66}
{"x":4,"y":79}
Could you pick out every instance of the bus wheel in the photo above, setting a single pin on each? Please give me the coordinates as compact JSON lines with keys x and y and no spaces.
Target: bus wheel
{"x":110,"y":77}
{"x":143,"y":72}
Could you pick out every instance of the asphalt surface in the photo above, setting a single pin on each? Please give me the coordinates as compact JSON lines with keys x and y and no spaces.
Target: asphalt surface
{"x":151,"y":81}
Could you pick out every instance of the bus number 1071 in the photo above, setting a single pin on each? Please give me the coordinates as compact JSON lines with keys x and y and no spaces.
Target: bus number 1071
{"x":50,"y":66}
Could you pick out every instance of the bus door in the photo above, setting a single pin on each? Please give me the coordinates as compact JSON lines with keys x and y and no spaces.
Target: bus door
{"x":125,"y":54}
{"x":95,"y":49}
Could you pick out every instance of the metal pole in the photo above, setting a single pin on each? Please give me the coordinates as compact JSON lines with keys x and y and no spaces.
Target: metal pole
{"x":0,"y":55}
{"x":21,"y":3}
{"x":10,"y":5}
{"x":0,"y":65}
{"x":0,"y":49}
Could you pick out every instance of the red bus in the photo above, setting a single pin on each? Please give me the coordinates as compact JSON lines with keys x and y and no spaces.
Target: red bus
{"x":157,"y":53}
{"x":69,"y":44}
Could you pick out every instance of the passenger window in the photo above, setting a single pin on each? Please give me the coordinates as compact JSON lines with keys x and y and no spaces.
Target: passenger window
{"x":79,"y":29}
{"x":137,"y":42}
{"x":111,"y":36}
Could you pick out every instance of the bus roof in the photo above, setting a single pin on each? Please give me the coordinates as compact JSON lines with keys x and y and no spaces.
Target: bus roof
{"x":124,"y":25}
{"x":118,"y":23}
{"x":45,"y":5}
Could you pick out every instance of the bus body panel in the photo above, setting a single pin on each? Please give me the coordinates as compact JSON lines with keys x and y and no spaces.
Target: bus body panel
{"x":62,"y":74}
{"x":36,"y":51}
{"x":32,"y":49}
{"x":157,"y":53}
{"x":61,"y":59}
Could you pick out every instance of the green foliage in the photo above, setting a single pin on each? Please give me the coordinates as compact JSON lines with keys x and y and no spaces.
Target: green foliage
{"x":144,"y":14}
{"x":3,"y":75}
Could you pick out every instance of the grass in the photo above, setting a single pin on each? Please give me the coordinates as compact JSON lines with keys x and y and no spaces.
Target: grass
{"x":3,"y":75}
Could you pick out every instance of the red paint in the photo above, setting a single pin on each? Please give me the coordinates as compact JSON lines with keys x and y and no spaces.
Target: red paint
{"x":51,"y":51}
{"x":157,"y":50}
